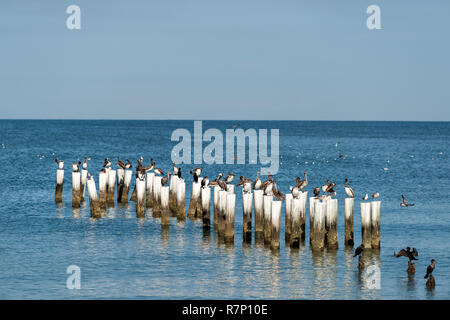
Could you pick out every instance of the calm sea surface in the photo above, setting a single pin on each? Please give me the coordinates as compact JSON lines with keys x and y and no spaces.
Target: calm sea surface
{"x":124,"y":257}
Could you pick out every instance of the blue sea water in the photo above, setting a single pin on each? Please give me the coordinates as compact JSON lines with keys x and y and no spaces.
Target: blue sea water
{"x":123,"y":257}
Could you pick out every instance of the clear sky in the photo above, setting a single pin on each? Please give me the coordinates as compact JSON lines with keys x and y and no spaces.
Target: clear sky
{"x":225,"y":59}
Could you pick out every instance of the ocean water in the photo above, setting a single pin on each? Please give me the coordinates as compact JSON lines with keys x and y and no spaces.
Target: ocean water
{"x":123,"y":257}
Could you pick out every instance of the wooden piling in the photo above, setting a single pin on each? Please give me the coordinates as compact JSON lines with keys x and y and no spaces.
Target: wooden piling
{"x":93,"y":199}
{"x":222,"y":206}
{"x":173,"y":194}
{"x":303,"y":201}
{"x":275,"y":221}
{"x":287,"y":218}
{"x":102,"y":180}
{"x":331,"y":224}
{"x":120,"y":181}
{"x":259,"y":215}
{"x":375,"y":223}
{"x":59,"y":185}
{"x":312,"y":202}
{"x":318,"y":238}
{"x":206,"y":206}
{"x":349,"y":237}
{"x":295,"y":223}
{"x":181,"y":207}
{"x":195,"y":198}
{"x":366,"y":225}
{"x":165,"y":211}
{"x":229,"y":217}
{"x":133,"y":194}
{"x":149,"y":190}
{"x":247,"y":216}
{"x":126,"y":186}
{"x":111,"y":187}
{"x":84,"y":173}
{"x":267,"y":205}
{"x":157,"y":196}
{"x":76,"y":189}
{"x":140,"y":198}
{"x":216,"y":208}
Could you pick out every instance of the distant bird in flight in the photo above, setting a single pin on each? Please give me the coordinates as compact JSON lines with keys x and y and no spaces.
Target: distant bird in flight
{"x":411,"y":255}
{"x":404,"y":204}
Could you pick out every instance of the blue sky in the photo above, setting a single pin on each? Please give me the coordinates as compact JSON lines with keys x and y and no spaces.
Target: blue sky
{"x":227,"y":59}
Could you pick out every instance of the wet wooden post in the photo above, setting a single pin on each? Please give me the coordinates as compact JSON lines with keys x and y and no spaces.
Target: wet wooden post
{"x":173,"y":194}
{"x":193,"y":203}
{"x":303,"y":201}
{"x":247,"y":216}
{"x":331,"y":224}
{"x":76,"y":189}
{"x":140,"y":198}
{"x":295,"y":223}
{"x":259,"y":217}
{"x":93,"y":199}
{"x":84,"y":173}
{"x":366,"y":225}
{"x":348,"y":206}
{"x":149,"y":190}
{"x":165,"y":211}
{"x":287,"y":218}
{"x":59,"y":185}
{"x":120,"y":180}
{"x":133,"y":194}
{"x":267,"y":205}
{"x":102,"y":180}
{"x":375,"y":223}
{"x":181,"y":191}
{"x":276,"y":221}
{"x":126,"y":186}
{"x":157,"y":196}
{"x":229,"y":217}
{"x":318,"y":238}
{"x":198,"y":208}
{"x":206,"y":207}
{"x":222,"y":206}
{"x":111,"y":187}
{"x":216,"y":209}
{"x":312,"y":202}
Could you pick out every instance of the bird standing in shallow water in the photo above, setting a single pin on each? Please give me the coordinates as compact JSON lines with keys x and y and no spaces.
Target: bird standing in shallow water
{"x":404,"y":204}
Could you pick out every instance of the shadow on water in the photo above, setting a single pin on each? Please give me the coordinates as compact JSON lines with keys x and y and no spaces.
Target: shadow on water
{"x":165,"y":235}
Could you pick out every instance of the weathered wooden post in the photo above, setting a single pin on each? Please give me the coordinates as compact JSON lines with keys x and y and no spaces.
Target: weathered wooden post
{"x":296,"y":223}
{"x":76,"y":190}
{"x":111,"y":187}
{"x":126,"y":186}
{"x":93,"y":199}
{"x":149,"y":190}
{"x":267,"y":219}
{"x":102,"y":180}
{"x":222,"y":204}
{"x":247,"y":216}
{"x":259,"y":216}
{"x":216,"y":208}
{"x":349,"y":237}
{"x":375,"y":223}
{"x":181,"y":207}
{"x":318,"y":238}
{"x":165,"y":211}
{"x":173,"y":194}
{"x":59,"y":185}
{"x":276,"y":221}
{"x":140,"y":198}
{"x":120,"y":181}
{"x":303,"y":201}
{"x":229,"y":217}
{"x":157,"y":196}
{"x":312,"y":202}
{"x":133,"y":194}
{"x":287,"y":219}
{"x":206,"y":206}
{"x":366,"y":233}
{"x":84,"y":173}
{"x":195,"y":197}
{"x":331,"y":224}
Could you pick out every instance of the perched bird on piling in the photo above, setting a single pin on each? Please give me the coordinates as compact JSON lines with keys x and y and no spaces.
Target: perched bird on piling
{"x":247,"y":187}
{"x":375,"y":195}
{"x":359,"y":250}
{"x":166,"y":179}
{"x":348,"y":190}
{"x":366,"y":197}
{"x":268,"y":181}
{"x":295,"y":191}
{"x":128,"y":164}
{"x":279,"y":195}
{"x":411,"y":255}
{"x":196,"y":173}
{"x":150,"y":167}
{"x":325,"y":186}
{"x":330,"y":188}
{"x":76,"y":166}
{"x":257,"y":184}
{"x":85,"y":161}
{"x":215,"y":181}
{"x":316,"y":191}
{"x":404,"y":204}
{"x":140,"y":175}
{"x":179,"y":173}
{"x":175,"y":168}
{"x":120,"y":163}
{"x":139,"y":167}
{"x":222,"y":184}
{"x":60,"y":163}
{"x":157,"y":171}
{"x":301,"y":184}
{"x":107,"y":163}
{"x":89,"y":176}
{"x":430,"y":269}
{"x":268,"y":188}
{"x":205,"y":182}
{"x":229,"y":178}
